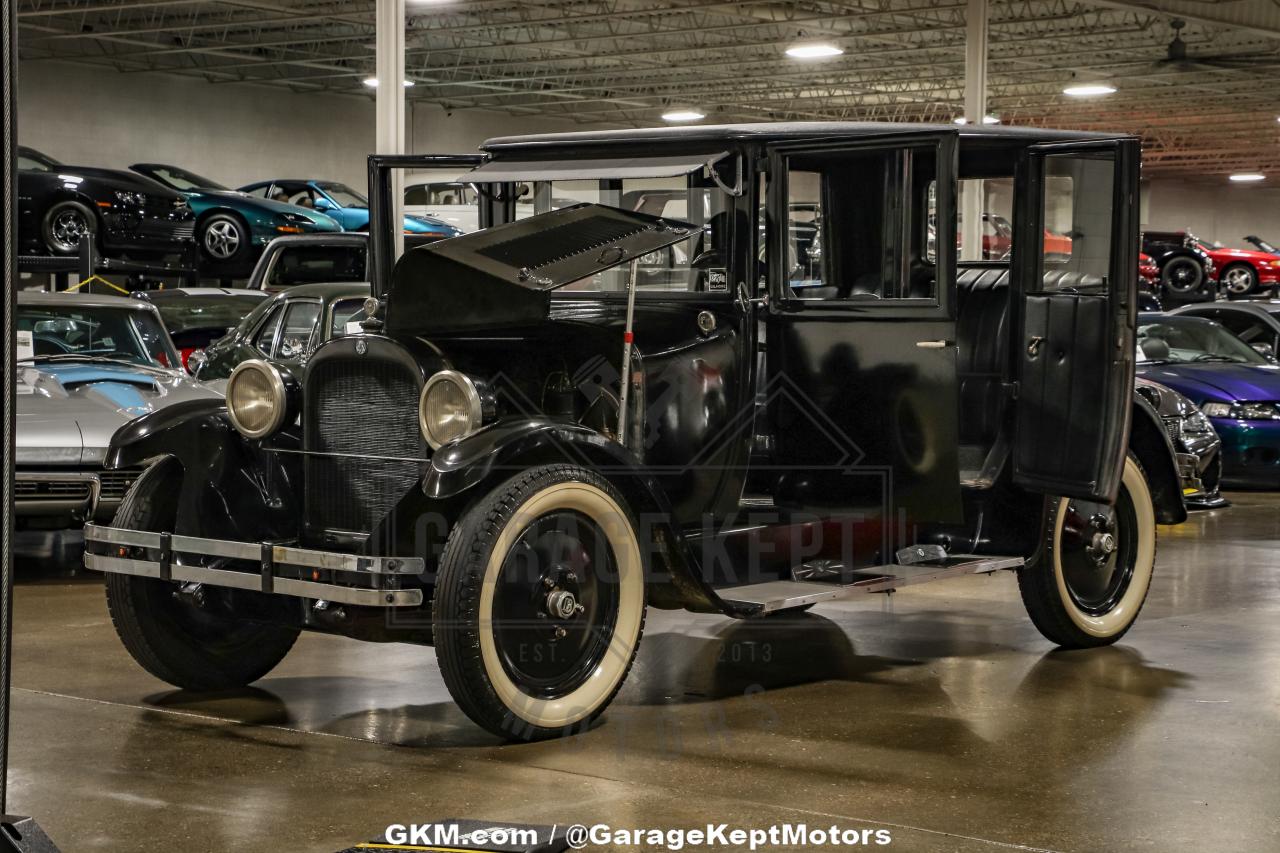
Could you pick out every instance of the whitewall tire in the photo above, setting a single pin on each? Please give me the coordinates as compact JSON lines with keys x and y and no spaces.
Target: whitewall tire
{"x":1089,"y":581}
{"x":540,"y":603}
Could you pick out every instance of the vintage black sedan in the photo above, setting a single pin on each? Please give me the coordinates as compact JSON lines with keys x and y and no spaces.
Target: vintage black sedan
{"x":59,"y":205}
{"x":532,"y":439}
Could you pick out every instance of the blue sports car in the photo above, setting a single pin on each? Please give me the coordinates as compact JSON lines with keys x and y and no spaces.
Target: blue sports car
{"x":337,"y":200}
{"x":1234,"y":385}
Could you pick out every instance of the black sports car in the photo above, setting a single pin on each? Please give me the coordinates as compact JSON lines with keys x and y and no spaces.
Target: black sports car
{"x":58,"y":205}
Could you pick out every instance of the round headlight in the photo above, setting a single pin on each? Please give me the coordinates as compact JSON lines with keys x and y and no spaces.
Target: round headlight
{"x":449,"y":408}
{"x":256,"y":398}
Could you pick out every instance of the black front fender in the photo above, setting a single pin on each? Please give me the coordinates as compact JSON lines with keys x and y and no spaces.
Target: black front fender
{"x":462,"y":472}
{"x":1150,"y":443}
{"x":232,"y":487}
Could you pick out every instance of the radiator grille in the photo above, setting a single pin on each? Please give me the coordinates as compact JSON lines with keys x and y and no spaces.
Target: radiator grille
{"x":116,"y":482}
{"x":35,"y":490}
{"x":365,"y":412}
{"x":1173,"y":426}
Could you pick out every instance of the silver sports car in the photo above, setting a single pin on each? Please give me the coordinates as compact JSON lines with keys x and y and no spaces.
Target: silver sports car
{"x":86,"y":365}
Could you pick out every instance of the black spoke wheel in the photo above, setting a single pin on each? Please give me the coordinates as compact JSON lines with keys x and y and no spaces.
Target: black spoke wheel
{"x":1182,"y":275}
{"x":187,"y":640}
{"x":1092,"y":573}
{"x":66,"y":225}
{"x":539,"y":603}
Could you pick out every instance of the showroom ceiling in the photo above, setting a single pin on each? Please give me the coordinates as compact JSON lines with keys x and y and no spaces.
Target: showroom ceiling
{"x":1209,"y":105}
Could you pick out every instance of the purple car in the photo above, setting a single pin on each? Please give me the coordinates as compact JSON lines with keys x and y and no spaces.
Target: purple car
{"x":1234,"y":385}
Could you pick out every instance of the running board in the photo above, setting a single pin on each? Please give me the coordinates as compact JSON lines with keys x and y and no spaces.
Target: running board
{"x":770,"y":596}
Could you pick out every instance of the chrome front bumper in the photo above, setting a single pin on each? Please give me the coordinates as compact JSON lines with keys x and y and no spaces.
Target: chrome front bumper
{"x":122,"y":558}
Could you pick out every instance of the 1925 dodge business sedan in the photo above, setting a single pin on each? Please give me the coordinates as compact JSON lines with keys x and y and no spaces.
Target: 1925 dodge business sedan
{"x":469,"y":472}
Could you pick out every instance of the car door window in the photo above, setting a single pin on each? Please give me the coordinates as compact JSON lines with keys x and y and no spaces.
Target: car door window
{"x":299,"y":325}
{"x":264,"y":339}
{"x":856,"y":224}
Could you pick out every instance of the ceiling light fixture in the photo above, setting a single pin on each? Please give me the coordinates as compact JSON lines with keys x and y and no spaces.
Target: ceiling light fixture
{"x":813,"y":51}
{"x":1089,"y":90}
{"x":683,"y":115}
{"x":372,"y":82}
{"x":1247,"y":177}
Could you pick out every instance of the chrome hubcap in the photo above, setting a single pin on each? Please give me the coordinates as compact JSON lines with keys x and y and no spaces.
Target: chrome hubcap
{"x":562,"y":605}
{"x":1239,"y":281}
{"x":221,"y":239}
{"x":69,"y":228}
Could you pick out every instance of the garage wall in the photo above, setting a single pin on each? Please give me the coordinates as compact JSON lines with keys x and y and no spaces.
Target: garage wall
{"x":1214,"y":211}
{"x":233,"y":133}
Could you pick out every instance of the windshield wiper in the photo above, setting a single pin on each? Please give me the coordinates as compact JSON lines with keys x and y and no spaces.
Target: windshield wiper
{"x":1207,"y":356}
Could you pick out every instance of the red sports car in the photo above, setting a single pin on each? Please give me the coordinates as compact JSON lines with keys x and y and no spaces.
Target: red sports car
{"x":1241,"y":271}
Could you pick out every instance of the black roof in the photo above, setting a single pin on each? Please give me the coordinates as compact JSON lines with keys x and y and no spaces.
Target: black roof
{"x":764,"y":132}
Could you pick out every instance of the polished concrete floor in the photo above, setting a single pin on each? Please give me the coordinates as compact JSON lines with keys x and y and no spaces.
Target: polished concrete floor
{"x":939,"y":713}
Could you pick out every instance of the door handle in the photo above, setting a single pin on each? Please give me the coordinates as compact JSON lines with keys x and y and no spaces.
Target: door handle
{"x":1033,"y":345}
{"x":933,"y":344}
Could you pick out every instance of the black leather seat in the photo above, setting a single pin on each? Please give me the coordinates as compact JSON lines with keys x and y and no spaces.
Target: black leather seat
{"x":982,"y":341}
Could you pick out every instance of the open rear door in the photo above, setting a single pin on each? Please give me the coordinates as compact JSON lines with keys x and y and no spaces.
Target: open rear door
{"x":1075,"y":265}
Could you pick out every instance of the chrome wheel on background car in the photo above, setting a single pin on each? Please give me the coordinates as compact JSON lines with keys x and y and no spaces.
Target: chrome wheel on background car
{"x":1182,"y":275}
{"x":539,"y":603}
{"x":223,"y":238}
{"x":1094,"y":569}
{"x":1239,"y":279}
{"x":65,"y":225}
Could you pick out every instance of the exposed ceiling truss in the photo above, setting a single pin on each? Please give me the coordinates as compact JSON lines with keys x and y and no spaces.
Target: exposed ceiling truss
{"x":626,"y":61}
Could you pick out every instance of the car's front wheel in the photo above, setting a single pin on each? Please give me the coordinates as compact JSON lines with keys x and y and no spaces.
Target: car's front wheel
{"x":539,"y":603}
{"x":1091,"y":576}
{"x":66,"y":225}
{"x":224,"y":238}
{"x":1239,"y":280}
{"x":184,"y":639}
{"x":1182,"y":276}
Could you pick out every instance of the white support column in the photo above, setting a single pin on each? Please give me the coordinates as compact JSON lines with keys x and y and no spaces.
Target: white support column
{"x":975,"y":109}
{"x":390,"y":22}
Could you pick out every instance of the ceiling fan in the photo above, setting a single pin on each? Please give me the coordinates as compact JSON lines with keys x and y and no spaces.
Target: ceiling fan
{"x":1176,"y":56}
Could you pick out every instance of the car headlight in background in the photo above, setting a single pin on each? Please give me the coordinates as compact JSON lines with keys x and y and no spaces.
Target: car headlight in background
{"x":1243,"y":411}
{"x":1196,"y":423}
{"x":452,"y":405}
{"x":294,"y":223}
{"x":256,"y":398}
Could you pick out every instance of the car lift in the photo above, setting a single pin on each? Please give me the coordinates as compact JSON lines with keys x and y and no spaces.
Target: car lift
{"x":89,"y":266}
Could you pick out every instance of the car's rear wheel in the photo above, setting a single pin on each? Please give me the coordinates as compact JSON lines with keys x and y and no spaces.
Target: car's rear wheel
{"x":224,"y":238}
{"x":1182,"y":275}
{"x":539,"y":603}
{"x":1091,"y":577}
{"x":1239,"y":280}
{"x":172,"y":636}
{"x":66,"y":225}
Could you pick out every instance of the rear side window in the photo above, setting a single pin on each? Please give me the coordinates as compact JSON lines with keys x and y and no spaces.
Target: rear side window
{"x":296,"y":265}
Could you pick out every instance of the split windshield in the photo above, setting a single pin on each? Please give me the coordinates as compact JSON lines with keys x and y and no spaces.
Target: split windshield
{"x":699,"y":263}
